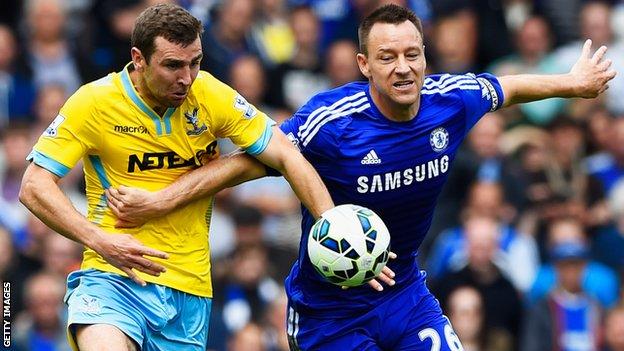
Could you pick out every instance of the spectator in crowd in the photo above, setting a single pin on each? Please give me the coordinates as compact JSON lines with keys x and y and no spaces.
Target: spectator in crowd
{"x":599,"y":127}
{"x":518,"y":252}
{"x":49,"y":54}
{"x":248,"y":338}
{"x":563,"y":16}
{"x":61,"y":256}
{"x":465,"y":311}
{"x":10,"y":270}
{"x":454,"y":41}
{"x":16,"y":89}
{"x":243,"y":295}
{"x":609,"y":167}
{"x":228,"y":37}
{"x":614,"y":329}
{"x":566,"y":189}
{"x":279,"y":206}
{"x":608,"y":241}
{"x":249,"y":78}
{"x":534,"y":43}
{"x":115,"y":20}
{"x":340,"y":67}
{"x":595,"y":24}
{"x":273,"y":33}
{"x":15,"y":141}
{"x":274,"y":332}
{"x":249,"y":230}
{"x":292,"y":83}
{"x":50,"y":99}
{"x":567,"y":318}
{"x":598,"y":281}
{"x":221,"y":222}
{"x":502,"y":303}
{"x":43,"y":327}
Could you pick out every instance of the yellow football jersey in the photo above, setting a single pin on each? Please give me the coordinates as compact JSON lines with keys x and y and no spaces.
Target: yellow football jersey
{"x":122,"y":141}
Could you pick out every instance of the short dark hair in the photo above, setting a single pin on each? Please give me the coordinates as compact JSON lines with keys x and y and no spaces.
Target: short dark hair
{"x":392,"y":14}
{"x":169,"y":21}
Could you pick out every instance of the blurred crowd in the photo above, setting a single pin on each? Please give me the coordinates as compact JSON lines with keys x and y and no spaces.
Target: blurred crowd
{"x":526,"y":251}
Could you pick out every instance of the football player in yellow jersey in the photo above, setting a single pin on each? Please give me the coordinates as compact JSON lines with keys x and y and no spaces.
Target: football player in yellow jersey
{"x":149,"y":287}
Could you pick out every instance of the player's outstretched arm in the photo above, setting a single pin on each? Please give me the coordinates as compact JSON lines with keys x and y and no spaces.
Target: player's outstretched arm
{"x":134,"y":206}
{"x":42,"y":196}
{"x":283,"y":156}
{"x":588,"y":78}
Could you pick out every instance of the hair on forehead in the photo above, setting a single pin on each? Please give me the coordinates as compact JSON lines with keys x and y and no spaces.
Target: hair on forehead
{"x":392,"y":14}
{"x":169,"y":21}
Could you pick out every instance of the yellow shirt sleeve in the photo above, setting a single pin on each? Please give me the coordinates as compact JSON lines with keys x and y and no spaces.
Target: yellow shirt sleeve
{"x":237,"y":119}
{"x":69,"y":137}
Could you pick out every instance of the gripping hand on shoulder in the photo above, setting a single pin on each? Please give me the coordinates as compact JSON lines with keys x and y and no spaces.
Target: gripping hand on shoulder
{"x":592,"y":72}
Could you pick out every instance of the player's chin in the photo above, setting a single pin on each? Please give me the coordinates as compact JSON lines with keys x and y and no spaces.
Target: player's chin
{"x":176,"y":100}
{"x":406,"y":98}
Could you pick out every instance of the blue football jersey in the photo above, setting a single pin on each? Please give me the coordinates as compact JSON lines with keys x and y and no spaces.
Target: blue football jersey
{"x":397,"y":169}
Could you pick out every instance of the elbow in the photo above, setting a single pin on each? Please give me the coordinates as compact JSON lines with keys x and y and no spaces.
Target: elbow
{"x":30,"y":187}
{"x":27,"y":191}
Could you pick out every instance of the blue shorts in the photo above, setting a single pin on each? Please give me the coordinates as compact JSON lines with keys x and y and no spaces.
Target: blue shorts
{"x":156,"y":317}
{"x":410,"y":320}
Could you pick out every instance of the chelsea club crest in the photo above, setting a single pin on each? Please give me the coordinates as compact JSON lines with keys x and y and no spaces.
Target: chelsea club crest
{"x":439,"y":139}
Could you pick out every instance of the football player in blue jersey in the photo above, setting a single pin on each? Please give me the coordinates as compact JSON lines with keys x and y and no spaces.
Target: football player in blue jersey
{"x":386,"y":144}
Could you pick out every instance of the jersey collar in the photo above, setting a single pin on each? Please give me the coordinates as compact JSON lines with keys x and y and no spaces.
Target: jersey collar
{"x":128,"y":88}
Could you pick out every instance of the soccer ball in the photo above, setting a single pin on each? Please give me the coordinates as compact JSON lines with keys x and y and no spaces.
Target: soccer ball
{"x":349,"y":245}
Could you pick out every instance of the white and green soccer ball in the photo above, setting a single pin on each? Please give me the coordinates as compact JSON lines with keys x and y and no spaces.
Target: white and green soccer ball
{"x":349,"y":245}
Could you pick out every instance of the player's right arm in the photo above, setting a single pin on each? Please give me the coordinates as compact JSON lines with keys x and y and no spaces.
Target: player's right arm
{"x":70,"y":136}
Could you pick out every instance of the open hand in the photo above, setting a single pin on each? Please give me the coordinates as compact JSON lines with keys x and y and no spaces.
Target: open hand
{"x":127,"y":253}
{"x":133,"y":206}
{"x":386,"y":276}
{"x":592,"y":73}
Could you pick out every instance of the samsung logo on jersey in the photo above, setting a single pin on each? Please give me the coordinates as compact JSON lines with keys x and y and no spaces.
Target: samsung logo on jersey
{"x":394,"y":180}
{"x":130,"y":129}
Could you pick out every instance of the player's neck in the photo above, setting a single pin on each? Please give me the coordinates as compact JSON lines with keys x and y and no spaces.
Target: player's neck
{"x":393,"y":111}
{"x":141,"y":88}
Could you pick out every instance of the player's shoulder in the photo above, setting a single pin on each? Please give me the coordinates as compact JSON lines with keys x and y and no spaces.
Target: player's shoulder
{"x":450,"y":84}
{"x":207,"y":84}
{"x":99,"y":93}
{"x":351,"y":96}
{"x":103,"y":90}
{"x":326,"y":115}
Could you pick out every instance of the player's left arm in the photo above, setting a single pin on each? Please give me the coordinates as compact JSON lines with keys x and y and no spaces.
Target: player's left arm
{"x":281,"y":155}
{"x":588,"y":78}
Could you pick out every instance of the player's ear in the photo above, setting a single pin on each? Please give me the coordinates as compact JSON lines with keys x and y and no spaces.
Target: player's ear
{"x":137,"y":58}
{"x":363,"y":64}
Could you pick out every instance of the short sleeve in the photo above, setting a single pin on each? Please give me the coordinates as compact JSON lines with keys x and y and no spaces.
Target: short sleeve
{"x":240,"y":121}
{"x":478,"y":102}
{"x":69,"y":137}
{"x":303,"y":129}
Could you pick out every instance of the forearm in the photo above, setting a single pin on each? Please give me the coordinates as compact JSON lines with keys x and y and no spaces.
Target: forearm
{"x":532,"y":87}
{"x":307,"y":184}
{"x":42,"y":196}
{"x":211,"y":178}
